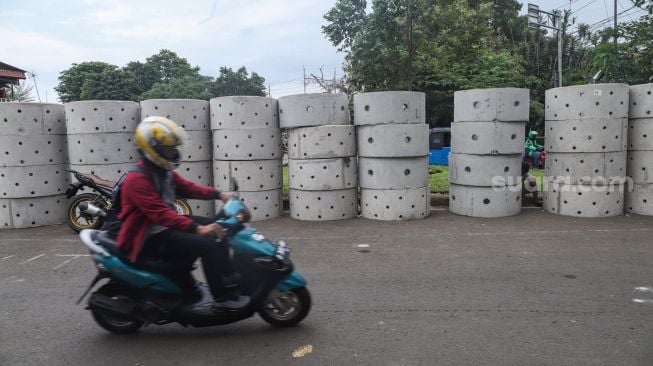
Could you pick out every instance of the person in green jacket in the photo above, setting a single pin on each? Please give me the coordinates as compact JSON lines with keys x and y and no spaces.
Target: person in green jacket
{"x":532,"y":148}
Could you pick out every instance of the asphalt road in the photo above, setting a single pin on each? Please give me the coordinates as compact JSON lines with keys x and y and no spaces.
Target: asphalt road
{"x":535,"y":289}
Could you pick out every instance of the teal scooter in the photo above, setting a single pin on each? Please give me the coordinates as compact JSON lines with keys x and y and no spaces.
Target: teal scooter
{"x":150,"y":294}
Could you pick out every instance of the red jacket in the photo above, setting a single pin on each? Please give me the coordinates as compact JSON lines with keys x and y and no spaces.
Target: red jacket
{"x":141,"y":206}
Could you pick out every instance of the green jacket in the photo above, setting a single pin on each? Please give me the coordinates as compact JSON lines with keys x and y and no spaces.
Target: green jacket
{"x":531,"y":146}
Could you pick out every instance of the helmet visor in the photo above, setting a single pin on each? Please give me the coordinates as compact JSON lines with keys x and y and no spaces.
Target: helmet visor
{"x":170,"y":153}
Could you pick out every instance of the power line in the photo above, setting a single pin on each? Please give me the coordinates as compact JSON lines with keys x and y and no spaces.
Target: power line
{"x":566,"y":4}
{"x":583,"y":7}
{"x":602,"y":22}
{"x":607,"y":14}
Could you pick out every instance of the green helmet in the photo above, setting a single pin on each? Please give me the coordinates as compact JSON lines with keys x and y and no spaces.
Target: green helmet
{"x":532,"y":134}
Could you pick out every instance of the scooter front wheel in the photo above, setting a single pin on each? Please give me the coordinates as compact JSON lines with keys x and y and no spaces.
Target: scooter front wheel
{"x":286,"y":309}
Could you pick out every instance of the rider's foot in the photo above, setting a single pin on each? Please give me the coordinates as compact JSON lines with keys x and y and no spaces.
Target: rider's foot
{"x":231,"y":303}
{"x":232,"y":280}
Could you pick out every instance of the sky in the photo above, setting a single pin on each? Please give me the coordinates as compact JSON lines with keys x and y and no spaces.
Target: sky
{"x":275,"y":38}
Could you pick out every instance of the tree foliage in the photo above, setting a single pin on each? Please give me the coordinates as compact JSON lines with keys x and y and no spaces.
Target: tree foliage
{"x":72,"y":80}
{"x":441,"y":46}
{"x":238,"y":82}
{"x":113,"y":84}
{"x":188,"y":87}
{"x":164,"y":75}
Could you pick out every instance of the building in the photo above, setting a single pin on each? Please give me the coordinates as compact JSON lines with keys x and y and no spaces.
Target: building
{"x":9,"y":76}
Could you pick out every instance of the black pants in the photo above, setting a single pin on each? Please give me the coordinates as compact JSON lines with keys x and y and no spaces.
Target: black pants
{"x":176,"y":246}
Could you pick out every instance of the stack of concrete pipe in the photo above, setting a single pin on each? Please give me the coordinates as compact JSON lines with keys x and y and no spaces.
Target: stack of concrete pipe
{"x":586,"y":140}
{"x":247,"y":147}
{"x":197,"y":162}
{"x":393,"y":147}
{"x":33,"y":159}
{"x":322,"y":165}
{"x":487,"y":140}
{"x":100,"y":137}
{"x":639,"y":196}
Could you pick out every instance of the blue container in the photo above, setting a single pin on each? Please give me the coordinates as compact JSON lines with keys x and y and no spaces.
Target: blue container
{"x":439,"y":157}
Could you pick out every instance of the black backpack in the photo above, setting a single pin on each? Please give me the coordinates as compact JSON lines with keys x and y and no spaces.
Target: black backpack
{"x":111,"y":222}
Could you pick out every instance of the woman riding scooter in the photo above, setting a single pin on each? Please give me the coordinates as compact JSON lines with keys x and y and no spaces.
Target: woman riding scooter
{"x":152,"y":228}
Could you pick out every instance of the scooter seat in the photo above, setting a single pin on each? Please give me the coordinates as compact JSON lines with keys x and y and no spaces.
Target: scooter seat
{"x":147,"y":264}
{"x":108,"y":243}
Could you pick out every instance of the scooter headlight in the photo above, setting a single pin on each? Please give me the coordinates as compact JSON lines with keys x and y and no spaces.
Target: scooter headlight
{"x":243,"y":216}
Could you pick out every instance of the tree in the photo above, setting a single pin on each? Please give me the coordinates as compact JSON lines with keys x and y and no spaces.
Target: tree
{"x":144,"y":77}
{"x":346,"y":20}
{"x":23,"y":93}
{"x":239,"y":82}
{"x":108,"y":85}
{"x":436,"y":47}
{"x":72,"y":79}
{"x":188,"y":87}
{"x":166,"y":66}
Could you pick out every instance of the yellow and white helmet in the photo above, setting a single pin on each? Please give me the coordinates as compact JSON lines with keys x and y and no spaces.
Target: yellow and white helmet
{"x":159,"y":140}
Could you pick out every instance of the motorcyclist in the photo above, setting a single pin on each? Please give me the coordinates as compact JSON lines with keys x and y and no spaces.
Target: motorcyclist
{"x":532,"y":148}
{"x":152,"y":228}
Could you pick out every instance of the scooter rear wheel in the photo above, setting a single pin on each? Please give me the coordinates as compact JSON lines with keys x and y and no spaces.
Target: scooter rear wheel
{"x":286,"y":309}
{"x":114,"y":324}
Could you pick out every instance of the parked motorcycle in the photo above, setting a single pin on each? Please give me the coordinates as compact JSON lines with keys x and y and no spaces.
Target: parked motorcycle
{"x":88,"y":210}
{"x":154,"y":292}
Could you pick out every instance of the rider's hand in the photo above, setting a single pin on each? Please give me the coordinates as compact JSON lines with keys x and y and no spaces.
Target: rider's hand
{"x":226,"y":196}
{"x":211,"y":230}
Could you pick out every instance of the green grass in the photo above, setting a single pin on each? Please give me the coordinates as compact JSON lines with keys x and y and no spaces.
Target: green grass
{"x":439,"y":178}
{"x":285,"y":188}
{"x":539,"y":176}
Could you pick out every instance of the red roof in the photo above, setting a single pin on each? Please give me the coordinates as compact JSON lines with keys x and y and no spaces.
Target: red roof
{"x":12,"y":74}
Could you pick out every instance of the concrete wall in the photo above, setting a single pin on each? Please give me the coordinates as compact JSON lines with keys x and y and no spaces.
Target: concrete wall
{"x":322,"y":166}
{"x":586,"y":141}
{"x":639,"y":196}
{"x":247,"y":147}
{"x":100,"y":136}
{"x":393,"y":148}
{"x":487,"y":140}
{"x":33,"y":159}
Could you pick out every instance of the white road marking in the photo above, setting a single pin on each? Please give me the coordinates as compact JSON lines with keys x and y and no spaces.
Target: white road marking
{"x":31,"y":259}
{"x":644,"y":289}
{"x":363,"y":245}
{"x":643,"y":301}
{"x":72,"y":258}
{"x":7,"y":257}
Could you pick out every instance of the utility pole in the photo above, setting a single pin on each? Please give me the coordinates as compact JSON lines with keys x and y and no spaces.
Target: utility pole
{"x":616,"y":55}
{"x":539,"y":18}
{"x":304,"y":78}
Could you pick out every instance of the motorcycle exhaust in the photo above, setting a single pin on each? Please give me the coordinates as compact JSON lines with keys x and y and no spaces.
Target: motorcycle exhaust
{"x":90,"y":209}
